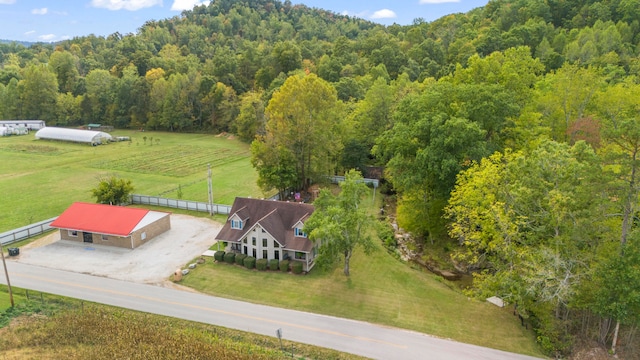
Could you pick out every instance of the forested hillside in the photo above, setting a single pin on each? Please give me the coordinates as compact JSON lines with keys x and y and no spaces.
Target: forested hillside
{"x":510,"y":134}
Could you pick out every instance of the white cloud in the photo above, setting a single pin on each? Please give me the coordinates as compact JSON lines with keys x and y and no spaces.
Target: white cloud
{"x":40,"y":11}
{"x":30,"y":32}
{"x":179,"y":5}
{"x":131,"y":5}
{"x":384,"y":14}
{"x":438,"y":1}
{"x":7,"y":2}
{"x":47,"y":37}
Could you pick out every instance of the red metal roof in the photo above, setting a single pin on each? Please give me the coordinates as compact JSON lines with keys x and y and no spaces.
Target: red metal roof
{"x":99,"y":218}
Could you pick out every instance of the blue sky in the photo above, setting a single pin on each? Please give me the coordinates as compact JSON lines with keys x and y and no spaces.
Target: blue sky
{"x":46,"y":20}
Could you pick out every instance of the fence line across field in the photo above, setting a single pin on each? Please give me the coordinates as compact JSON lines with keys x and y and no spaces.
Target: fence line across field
{"x":25,"y":232}
{"x":28,"y":231}
{"x":180,"y":204}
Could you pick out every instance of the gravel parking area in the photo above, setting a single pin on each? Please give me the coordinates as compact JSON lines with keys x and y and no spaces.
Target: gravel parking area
{"x":150,"y":263}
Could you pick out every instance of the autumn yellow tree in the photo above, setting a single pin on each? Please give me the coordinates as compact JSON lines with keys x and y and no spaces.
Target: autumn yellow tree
{"x":303,"y":121}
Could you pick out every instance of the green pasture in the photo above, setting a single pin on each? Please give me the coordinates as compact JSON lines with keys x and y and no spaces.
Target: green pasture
{"x":40,"y":178}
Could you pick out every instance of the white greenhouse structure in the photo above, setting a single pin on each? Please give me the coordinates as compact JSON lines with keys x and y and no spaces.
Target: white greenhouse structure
{"x":73,"y":135}
{"x":29,"y":124}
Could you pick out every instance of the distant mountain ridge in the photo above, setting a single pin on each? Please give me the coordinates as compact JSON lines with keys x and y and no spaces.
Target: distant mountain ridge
{"x":23,"y":43}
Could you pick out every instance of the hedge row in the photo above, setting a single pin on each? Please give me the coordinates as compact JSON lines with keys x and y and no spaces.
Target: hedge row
{"x":240,"y":259}
{"x":230,"y":258}
{"x":284,"y":265}
{"x":274,"y":264}
{"x":249,"y":262}
{"x":296,"y":267}
{"x":219,"y":255}
{"x":261,"y":264}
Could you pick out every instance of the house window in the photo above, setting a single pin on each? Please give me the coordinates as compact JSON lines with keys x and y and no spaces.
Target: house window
{"x":253,"y":241}
{"x":254,"y":252}
{"x":264,"y":231}
{"x":236,"y":224}
{"x":276,"y":254}
{"x":73,"y":233}
{"x":104,"y":237}
{"x":300,"y":255}
{"x":264,"y":243}
{"x":244,"y":240}
{"x":265,"y":254}
{"x":275,"y":244}
{"x":144,"y":236}
{"x":299,"y":232}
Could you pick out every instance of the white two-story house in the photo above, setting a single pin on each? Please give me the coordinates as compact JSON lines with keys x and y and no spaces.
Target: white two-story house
{"x":267,"y":229}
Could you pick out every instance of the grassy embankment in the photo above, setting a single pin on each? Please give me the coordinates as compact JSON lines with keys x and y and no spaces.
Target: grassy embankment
{"x":381,"y":289}
{"x":54,"y":327}
{"x":44,"y":177}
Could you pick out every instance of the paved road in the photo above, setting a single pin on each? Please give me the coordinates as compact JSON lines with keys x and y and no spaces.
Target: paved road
{"x":350,"y":336}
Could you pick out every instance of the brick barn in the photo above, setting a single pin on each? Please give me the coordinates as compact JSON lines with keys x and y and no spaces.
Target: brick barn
{"x":111,"y":225}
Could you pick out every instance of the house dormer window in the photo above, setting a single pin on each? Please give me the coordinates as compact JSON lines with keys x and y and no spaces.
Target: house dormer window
{"x":236,"y":224}
{"x":298,"y":231}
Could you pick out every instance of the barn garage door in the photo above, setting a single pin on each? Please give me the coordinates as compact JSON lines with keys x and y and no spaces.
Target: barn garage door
{"x":87,"y":237}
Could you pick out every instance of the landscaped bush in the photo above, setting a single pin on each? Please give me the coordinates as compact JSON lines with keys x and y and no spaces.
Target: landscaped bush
{"x":219,"y":255}
{"x":240,"y":259}
{"x":249,"y":262}
{"x":229,"y":258}
{"x":273,"y":264}
{"x":387,"y":235}
{"x":284,"y":265}
{"x":261,"y":264}
{"x":296,"y":267}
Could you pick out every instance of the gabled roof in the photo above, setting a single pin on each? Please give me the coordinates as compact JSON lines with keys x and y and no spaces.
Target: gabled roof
{"x":276,"y":217}
{"x":105,"y":219}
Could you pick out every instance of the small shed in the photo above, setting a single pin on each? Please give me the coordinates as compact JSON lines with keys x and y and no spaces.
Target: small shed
{"x":73,"y":135}
{"x":111,"y":225}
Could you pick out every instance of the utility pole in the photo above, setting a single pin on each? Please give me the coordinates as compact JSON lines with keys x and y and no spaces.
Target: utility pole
{"x":210,"y":187}
{"x":6,"y":273}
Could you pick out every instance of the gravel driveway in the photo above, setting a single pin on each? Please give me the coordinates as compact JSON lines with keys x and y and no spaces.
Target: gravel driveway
{"x":152,"y":262}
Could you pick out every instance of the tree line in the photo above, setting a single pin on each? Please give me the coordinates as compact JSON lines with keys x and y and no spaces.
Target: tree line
{"x":509,"y":134}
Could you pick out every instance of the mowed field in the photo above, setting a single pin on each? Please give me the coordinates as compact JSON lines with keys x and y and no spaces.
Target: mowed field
{"x":40,"y":178}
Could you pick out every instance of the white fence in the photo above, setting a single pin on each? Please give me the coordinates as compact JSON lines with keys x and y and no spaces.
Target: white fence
{"x":26,"y":232}
{"x":180,"y":204}
{"x":338,"y":179}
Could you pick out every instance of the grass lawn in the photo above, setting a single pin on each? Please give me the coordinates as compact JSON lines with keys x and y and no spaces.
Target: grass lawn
{"x":381,"y":289}
{"x":39,"y":178}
